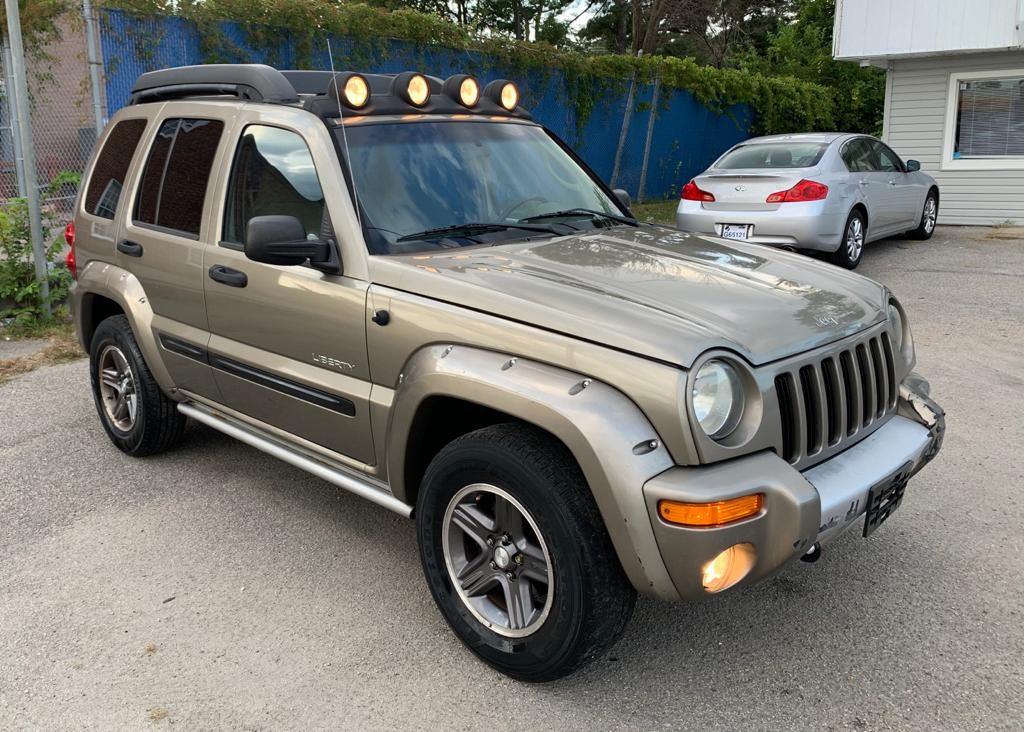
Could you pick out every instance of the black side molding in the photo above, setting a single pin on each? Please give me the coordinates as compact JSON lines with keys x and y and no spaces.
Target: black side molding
{"x":184,"y":348}
{"x":284,"y":386}
{"x":257,"y":376}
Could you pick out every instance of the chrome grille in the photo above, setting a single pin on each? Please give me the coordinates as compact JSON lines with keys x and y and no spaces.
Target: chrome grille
{"x":835,"y":397}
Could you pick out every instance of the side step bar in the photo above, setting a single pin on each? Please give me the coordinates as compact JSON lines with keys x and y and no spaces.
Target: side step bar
{"x":252,"y":437}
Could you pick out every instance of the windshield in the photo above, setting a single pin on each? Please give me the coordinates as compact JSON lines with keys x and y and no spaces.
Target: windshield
{"x":773,"y":155}
{"x":415,"y":177}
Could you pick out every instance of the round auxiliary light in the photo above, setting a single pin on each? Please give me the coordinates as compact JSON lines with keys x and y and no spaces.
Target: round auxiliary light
{"x":417,"y":90}
{"x":509,"y":96}
{"x":469,"y":92}
{"x":356,"y":92}
{"x":504,"y":93}
{"x":463,"y":89}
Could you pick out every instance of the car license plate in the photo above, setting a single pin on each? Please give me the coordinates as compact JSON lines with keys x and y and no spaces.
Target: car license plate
{"x":884,"y":498}
{"x":735,"y":231}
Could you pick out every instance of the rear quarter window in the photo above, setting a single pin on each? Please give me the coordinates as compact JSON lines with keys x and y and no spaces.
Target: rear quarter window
{"x":111,"y":168}
{"x":177,"y":174}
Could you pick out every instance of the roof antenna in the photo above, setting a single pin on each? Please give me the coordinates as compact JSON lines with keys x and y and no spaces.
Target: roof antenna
{"x":344,"y":136}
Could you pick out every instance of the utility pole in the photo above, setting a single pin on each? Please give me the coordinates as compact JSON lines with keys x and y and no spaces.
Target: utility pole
{"x":624,"y":131}
{"x":12,"y":117}
{"x":650,"y":136}
{"x":20,"y":93}
{"x":94,"y":65}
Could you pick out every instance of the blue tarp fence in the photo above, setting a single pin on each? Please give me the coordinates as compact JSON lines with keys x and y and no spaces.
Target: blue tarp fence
{"x":686,"y":137}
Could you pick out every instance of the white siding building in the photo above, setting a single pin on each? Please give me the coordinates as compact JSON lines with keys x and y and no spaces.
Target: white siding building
{"x":954,"y":95}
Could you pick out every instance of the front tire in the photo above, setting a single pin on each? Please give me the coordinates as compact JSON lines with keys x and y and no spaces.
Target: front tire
{"x":139,"y":419}
{"x":516,"y":555}
{"x":851,"y":249}
{"x":929,"y":215}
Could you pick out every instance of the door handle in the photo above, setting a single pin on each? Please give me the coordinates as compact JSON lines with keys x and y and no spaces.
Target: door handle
{"x":862,"y":182}
{"x":892,"y":183}
{"x":130,"y":248}
{"x":228,"y":276}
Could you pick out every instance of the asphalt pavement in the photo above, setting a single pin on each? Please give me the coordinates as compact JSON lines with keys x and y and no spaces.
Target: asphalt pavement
{"x":214,"y":587}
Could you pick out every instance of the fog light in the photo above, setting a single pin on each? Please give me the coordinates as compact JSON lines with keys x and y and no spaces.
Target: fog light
{"x":729,"y":567}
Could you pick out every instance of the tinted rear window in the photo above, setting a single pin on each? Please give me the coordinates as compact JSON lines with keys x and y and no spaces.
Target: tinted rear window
{"x":177,"y":173}
{"x":112,"y":166}
{"x":773,"y":155}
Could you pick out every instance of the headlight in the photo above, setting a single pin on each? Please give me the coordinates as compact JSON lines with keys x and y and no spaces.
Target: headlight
{"x":717,"y":398}
{"x":896,"y":326}
{"x":902,"y":338}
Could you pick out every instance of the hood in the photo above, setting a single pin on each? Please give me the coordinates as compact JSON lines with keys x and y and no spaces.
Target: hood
{"x":651,"y":290}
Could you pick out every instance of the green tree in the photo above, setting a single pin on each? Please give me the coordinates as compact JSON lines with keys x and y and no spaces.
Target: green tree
{"x":801,"y":47}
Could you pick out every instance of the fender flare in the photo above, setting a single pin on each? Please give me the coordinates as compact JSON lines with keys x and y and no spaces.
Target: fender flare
{"x":615,"y":445}
{"x":118,"y":284}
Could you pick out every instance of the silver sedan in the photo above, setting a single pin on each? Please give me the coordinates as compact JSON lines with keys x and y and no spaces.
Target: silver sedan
{"x":828,"y":192}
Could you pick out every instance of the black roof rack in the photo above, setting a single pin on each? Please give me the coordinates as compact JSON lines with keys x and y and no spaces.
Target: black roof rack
{"x":255,"y":82}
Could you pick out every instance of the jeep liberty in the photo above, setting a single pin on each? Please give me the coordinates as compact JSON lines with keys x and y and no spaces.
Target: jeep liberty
{"x":406,"y":287}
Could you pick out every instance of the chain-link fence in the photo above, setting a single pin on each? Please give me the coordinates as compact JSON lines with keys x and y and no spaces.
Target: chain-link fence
{"x":62,"y":111}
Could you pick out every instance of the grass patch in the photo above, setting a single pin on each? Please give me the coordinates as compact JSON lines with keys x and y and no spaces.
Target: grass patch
{"x":656,"y":212}
{"x":62,"y":345}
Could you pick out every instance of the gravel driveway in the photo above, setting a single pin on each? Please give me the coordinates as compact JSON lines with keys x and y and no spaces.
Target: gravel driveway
{"x":214,"y":587}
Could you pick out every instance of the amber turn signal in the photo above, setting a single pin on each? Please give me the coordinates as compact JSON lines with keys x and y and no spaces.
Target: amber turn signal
{"x":716,"y":513}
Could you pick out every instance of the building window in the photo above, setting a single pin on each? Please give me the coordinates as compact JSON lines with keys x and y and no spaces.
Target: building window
{"x":985,"y":121}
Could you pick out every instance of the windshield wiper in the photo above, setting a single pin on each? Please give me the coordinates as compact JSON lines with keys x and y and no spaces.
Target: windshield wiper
{"x":473,"y":228}
{"x":582,"y":212}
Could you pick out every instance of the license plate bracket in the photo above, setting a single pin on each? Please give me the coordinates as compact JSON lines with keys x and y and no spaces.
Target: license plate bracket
{"x":740,"y":232}
{"x":884,"y":498}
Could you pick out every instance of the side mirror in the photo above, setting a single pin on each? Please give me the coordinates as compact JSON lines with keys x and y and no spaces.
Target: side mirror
{"x":282,"y":240}
{"x":913,"y":166}
{"x":623,"y":197}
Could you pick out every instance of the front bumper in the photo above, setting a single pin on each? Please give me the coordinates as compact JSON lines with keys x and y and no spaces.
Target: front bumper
{"x":799,"y":508}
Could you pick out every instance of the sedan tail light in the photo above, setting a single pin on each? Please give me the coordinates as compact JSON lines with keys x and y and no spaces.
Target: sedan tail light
{"x":805,"y":190}
{"x":692,"y":193}
{"x":69,"y":237}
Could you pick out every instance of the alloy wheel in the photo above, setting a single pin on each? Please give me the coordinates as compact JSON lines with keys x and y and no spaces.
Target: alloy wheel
{"x":931,"y":212}
{"x":854,"y":238}
{"x":118,"y":389}
{"x":497,"y":560}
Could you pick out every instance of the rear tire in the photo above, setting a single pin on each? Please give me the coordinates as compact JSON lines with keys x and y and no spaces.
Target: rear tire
{"x":137,"y":416}
{"x":574,"y":600}
{"x":851,"y":248}
{"x":929,"y":215}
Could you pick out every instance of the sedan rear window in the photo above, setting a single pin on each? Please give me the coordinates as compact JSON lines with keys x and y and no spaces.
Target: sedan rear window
{"x":773,"y":155}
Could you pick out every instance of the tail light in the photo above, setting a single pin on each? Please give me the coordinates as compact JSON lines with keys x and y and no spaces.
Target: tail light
{"x":805,"y":190}
{"x":692,"y":193}
{"x":69,"y":261}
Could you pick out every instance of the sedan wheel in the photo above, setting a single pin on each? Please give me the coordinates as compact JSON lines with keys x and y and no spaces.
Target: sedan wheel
{"x":931,"y":212}
{"x":852,"y":247}
{"x":929,"y":216}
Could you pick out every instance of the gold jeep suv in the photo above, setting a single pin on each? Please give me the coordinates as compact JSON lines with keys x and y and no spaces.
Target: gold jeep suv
{"x":408,"y":288}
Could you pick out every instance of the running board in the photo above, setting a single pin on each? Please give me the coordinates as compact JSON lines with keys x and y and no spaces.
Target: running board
{"x":252,"y":437}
